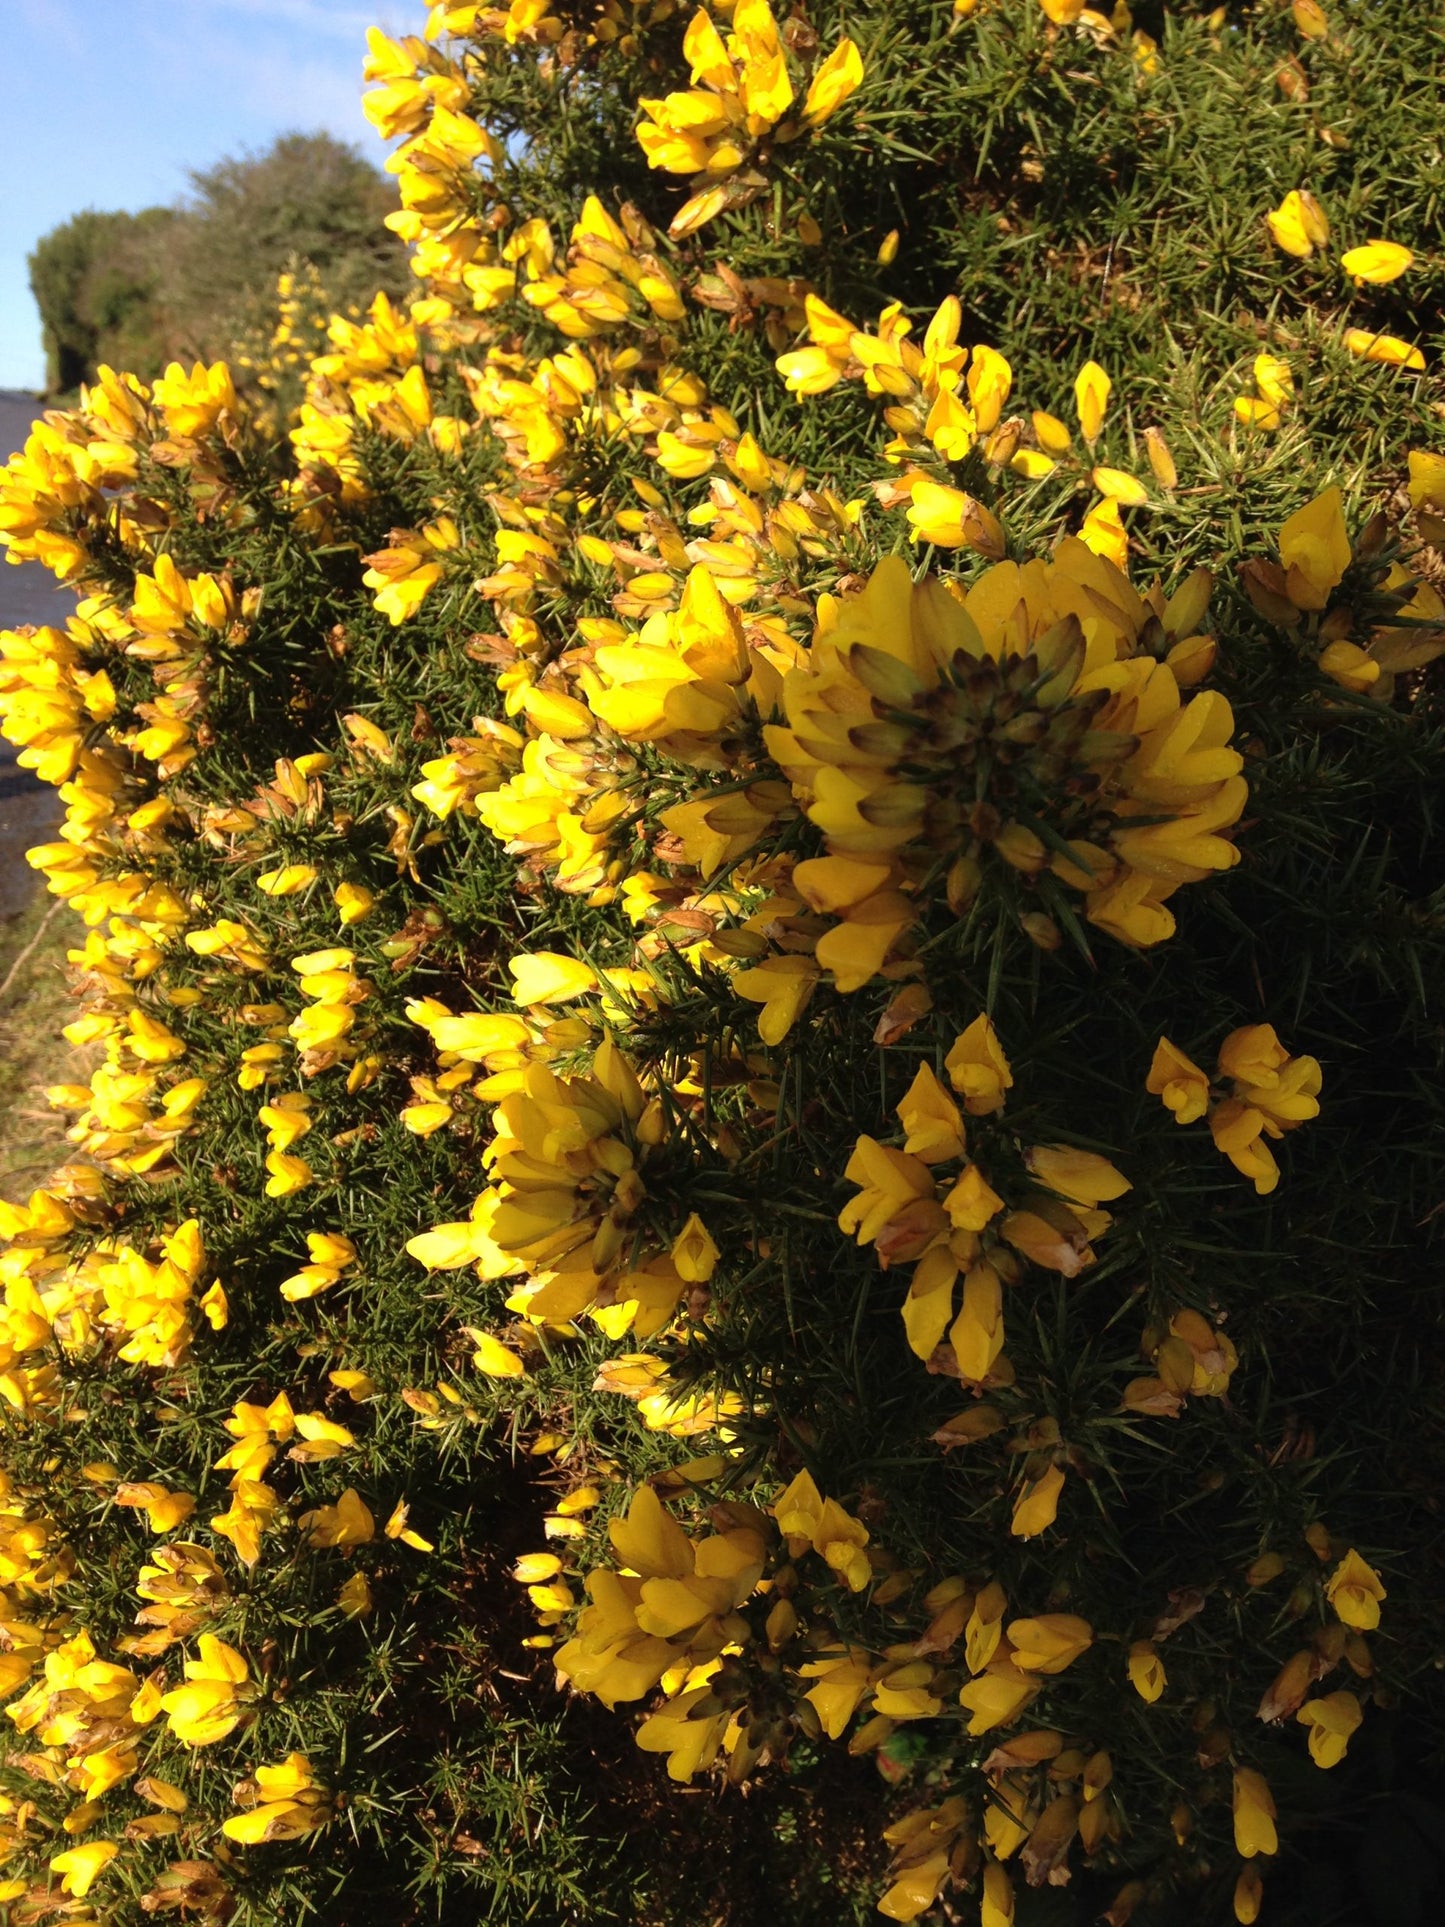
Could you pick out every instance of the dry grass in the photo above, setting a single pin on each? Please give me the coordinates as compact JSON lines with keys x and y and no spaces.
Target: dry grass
{"x":33,"y":1054}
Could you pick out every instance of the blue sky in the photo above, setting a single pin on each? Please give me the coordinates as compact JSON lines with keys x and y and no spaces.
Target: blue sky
{"x":109,"y":103}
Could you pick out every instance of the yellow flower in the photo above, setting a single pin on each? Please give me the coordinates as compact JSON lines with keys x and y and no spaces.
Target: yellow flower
{"x":1052,"y":435}
{"x":331,"y":1254}
{"x":1314,"y":546}
{"x":892,"y":1183}
{"x":839,"y":1689}
{"x":1238,"y":1131}
{"x":1274,"y":379}
{"x":289,"y":880}
{"x":1249,"y":1888}
{"x":1347,"y":664}
{"x":997,"y":1696}
{"x":1103,"y":531}
{"x":193,"y":404}
{"x":690,"y":1739}
{"x":1389,"y":349}
{"x":1083,"y":1177}
{"x":1377,"y":262}
{"x":1091,"y":399}
{"x":1119,"y":486}
{"x":694,"y":1254}
{"x":990,"y":382}
{"x":368,"y":740}
{"x":839,"y":77}
{"x":977,"y":1334}
{"x":288,"y":1174}
{"x":1299,"y":224}
{"x":402,"y":581}
{"x":1253,"y":1055}
{"x":1178,"y":1082}
{"x":1252,"y":412}
{"x":397,"y":1528}
{"x":1311,"y":19}
{"x":164,"y":1510}
{"x":996,"y":1902}
{"x":346,"y":1524}
{"x":353,"y":901}
{"x":1254,"y":1828}
{"x":783,"y":986}
{"x":533,"y":1568}
{"x":1051,"y":1237}
{"x":931,"y":1122}
{"x":984,"y":1628}
{"x":1050,"y":1643}
{"x":79,"y":1867}
{"x":1427,"y":479}
{"x":1331,"y":1722}
{"x":972,"y":1203}
{"x":978,"y":1069}
{"x":924,"y":1843}
{"x":951,"y":520}
{"x":1146,"y":1670}
{"x":1037,"y":1505}
{"x":1355,"y":1591}
{"x":806,"y":1519}
{"x":492,"y":1357}
{"x":245,"y":1520}
{"x":547,"y":977}
{"x":284,"y":1803}
{"x":211,"y":1704}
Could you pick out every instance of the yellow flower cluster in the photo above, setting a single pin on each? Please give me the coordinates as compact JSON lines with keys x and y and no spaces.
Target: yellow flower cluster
{"x":78,"y":1291}
{"x":719,"y":131}
{"x":275,"y":356}
{"x":738,"y":1629}
{"x":1333,"y":594}
{"x":1271,"y":1093}
{"x":930,"y":733}
{"x":944,"y":401}
{"x":781,"y":767}
{"x":968,"y":1229}
{"x":957,"y":1225}
{"x":573,"y":1158}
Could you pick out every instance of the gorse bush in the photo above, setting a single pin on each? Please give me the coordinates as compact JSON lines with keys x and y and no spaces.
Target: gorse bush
{"x":765,"y":915}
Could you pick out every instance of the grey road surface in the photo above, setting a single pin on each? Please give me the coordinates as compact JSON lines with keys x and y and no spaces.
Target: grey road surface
{"x":29,"y":810}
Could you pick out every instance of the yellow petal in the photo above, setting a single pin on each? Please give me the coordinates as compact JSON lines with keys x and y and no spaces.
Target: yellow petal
{"x":1377,"y":262}
{"x":840,"y":76}
{"x":493,"y":1358}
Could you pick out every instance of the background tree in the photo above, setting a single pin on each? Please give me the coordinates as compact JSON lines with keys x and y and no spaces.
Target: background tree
{"x":137,"y":291}
{"x":97,"y":280}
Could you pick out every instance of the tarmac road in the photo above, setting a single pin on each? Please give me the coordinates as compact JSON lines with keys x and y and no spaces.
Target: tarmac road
{"x":29,"y":810}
